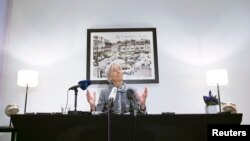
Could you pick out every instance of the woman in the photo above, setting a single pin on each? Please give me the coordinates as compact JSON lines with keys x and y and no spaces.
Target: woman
{"x":121,"y":104}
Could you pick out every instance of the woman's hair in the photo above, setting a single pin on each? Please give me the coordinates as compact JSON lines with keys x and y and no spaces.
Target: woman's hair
{"x":109,"y":67}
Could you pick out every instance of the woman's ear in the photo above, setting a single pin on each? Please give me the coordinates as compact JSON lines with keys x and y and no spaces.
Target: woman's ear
{"x":110,"y":80}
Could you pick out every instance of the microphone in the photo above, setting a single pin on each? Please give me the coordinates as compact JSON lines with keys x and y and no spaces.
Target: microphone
{"x":112,"y":97}
{"x":82,"y":84}
{"x":112,"y":94}
{"x":130,"y":94}
{"x":132,"y":100}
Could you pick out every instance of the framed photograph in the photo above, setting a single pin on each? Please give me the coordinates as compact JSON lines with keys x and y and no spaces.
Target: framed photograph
{"x":134,"y":48}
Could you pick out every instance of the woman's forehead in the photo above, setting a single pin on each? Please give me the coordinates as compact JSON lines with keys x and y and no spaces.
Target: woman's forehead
{"x":115,"y":66}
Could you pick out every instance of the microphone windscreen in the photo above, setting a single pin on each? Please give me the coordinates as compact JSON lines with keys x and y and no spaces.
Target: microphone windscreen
{"x":84,"y":84}
{"x":113,"y":93}
{"x":130,"y":94}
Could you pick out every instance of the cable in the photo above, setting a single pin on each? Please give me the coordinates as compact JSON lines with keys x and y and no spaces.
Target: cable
{"x":108,"y":125}
{"x":67,"y":100}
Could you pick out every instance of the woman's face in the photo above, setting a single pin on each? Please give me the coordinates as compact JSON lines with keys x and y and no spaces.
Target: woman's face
{"x":116,"y":73}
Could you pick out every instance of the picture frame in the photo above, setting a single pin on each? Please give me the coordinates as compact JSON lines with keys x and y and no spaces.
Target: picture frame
{"x":134,"y":48}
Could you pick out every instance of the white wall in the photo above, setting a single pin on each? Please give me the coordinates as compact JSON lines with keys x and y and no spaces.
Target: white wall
{"x":193,"y":36}
{"x":3,"y":28}
{"x":4,"y":11}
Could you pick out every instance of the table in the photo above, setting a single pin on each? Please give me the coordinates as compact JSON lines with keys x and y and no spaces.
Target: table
{"x":177,"y":127}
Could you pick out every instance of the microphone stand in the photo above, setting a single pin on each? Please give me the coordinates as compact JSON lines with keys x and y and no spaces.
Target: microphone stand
{"x":108,"y":107}
{"x":75,"y":106}
{"x":108,"y":125}
{"x":133,"y":112}
{"x":76,"y":92}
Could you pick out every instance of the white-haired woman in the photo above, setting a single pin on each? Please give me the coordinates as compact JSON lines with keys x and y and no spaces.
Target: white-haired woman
{"x":114,"y":74}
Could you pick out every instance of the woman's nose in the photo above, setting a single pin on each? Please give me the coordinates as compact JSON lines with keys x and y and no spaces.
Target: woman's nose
{"x":119,"y":71}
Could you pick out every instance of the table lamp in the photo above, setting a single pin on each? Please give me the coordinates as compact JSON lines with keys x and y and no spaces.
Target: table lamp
{"x":217,"y":78}
{"x":27,"y":78}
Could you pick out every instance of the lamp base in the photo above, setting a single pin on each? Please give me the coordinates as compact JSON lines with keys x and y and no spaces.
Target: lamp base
{"x":79,"y":113}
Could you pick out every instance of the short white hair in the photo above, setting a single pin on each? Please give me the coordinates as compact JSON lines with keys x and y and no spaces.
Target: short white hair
{"x":109,"y":67}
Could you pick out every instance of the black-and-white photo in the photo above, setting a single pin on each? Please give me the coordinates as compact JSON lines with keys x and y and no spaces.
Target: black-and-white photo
{"x":135,"y":49}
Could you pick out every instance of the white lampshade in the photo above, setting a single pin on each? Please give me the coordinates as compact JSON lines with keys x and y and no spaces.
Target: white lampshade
{"x":218,"y":76}
{"x":27,"y":77}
